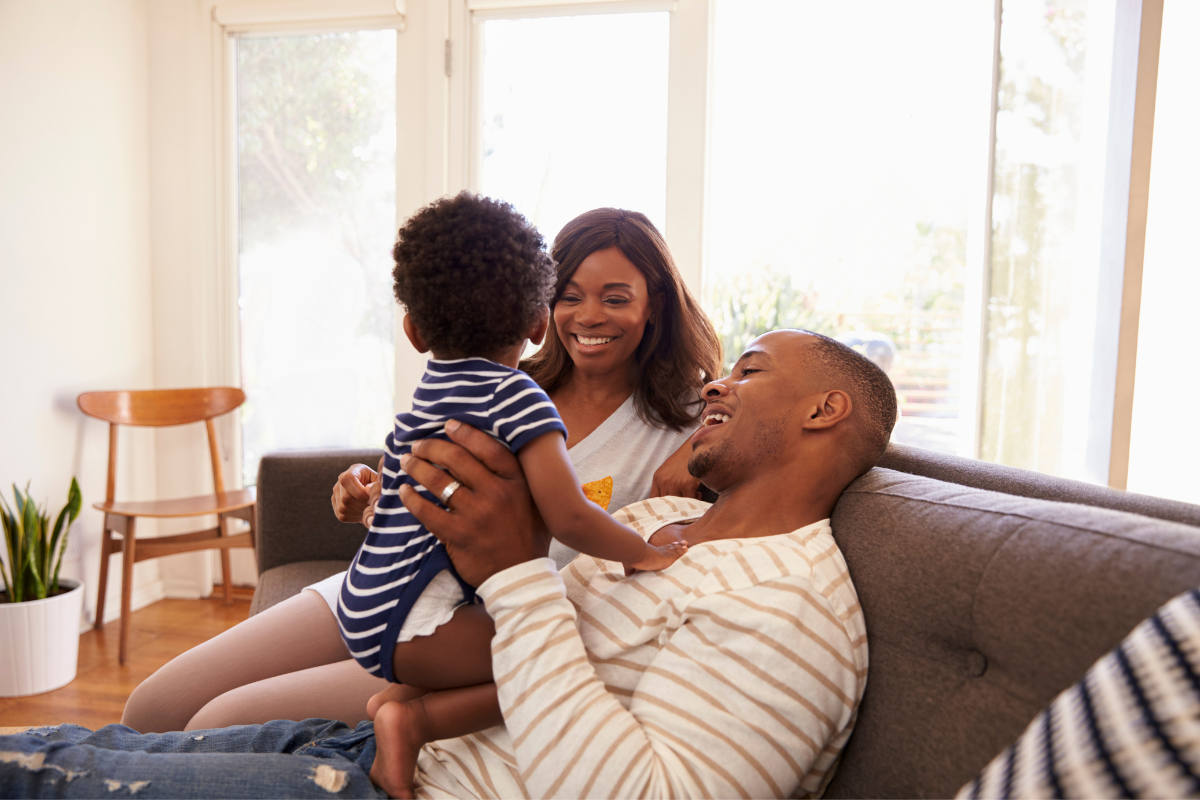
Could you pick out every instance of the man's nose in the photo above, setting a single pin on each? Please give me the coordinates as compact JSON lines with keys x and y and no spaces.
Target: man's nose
{"x":715,"y":389}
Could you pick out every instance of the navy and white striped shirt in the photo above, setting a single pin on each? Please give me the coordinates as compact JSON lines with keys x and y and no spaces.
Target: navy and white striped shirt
{"x":400,"y":557}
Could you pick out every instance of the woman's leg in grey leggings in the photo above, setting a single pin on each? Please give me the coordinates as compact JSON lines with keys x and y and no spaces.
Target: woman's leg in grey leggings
{"x":280,"y":664}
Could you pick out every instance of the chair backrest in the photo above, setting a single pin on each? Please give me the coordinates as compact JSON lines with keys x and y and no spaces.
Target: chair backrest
{"x":161,"y":408}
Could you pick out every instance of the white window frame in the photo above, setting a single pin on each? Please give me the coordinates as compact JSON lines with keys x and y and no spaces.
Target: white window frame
{"x":1126,"y":181}
{"x":232,"y":20}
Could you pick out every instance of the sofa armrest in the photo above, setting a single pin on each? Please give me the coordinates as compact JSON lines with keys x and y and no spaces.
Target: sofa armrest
{"x":295,"y":518}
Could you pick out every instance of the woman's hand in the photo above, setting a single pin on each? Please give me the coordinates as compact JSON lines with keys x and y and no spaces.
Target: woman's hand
{"x":376,"y":490}
{"x":492,"y":523}
{"x":672,"y":479}
{"x":355,"y":494}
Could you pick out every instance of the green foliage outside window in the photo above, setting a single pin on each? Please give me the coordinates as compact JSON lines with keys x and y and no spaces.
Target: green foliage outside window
{"x":761,"y":300}
{"x":765,"y":298}
{"x":306,"y":106}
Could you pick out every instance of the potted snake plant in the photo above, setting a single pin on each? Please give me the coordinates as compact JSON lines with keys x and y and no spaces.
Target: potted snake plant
{"x":39,"y":612}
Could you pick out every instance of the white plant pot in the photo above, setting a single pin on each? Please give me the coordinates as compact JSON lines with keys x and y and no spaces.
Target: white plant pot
{"x":39,"y":642}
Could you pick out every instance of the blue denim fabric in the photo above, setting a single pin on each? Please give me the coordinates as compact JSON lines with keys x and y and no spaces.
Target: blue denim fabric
{"x":312,"y":758}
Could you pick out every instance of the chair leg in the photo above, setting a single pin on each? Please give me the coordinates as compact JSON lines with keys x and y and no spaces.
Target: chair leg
{"x":106,"y":550}
{"x":127,"y":551}
{"x":226,"y":570}
{"x":253,"y":534}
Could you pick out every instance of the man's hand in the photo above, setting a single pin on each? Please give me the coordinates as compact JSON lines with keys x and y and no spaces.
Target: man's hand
{"x":672,"y":479}
{"x":492,"y":523}
{"x":355,"y":493}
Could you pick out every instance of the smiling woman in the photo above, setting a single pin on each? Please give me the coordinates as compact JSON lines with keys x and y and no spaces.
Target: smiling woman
{"x":618,"y":282}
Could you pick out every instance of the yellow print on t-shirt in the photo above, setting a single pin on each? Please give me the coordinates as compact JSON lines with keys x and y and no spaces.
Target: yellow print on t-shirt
{"x":599,"y":492}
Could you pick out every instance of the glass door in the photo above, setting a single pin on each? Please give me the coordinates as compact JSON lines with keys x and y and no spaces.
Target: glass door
{"x":316,"y":186}
{"x":848,"y":156}
{"x":572,"y":113}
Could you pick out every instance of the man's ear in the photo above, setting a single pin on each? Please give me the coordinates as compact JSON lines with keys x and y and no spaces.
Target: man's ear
{"x":414,"y":335}
{"x":539,"y":330}
{"x":826,"y":410}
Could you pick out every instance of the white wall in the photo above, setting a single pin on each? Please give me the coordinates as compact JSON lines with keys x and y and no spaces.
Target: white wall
{"x":187,"y":261}
{"x":75,"y":276}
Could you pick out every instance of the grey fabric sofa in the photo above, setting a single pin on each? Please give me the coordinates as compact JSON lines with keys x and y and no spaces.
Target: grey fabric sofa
{"x":307,"y":542}
{"x":986,"y":590}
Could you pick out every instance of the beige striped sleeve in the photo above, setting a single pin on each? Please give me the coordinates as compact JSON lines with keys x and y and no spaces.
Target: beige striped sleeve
{"x":745,"y":699}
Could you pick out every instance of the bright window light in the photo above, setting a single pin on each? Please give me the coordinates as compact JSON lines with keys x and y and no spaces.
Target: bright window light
{"x":847,"y":141}
{"x":574,"y":115}
{"x":1166,"y":426}
{"x":316,"y":129}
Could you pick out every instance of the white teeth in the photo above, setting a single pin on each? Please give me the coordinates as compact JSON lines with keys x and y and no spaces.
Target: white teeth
{"x":716,"y":419}
{"x":592,"y":342}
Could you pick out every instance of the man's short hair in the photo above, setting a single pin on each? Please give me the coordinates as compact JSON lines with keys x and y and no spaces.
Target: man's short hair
{"x":870,"y":390}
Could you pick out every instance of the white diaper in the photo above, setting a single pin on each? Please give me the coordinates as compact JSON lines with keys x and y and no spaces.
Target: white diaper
{"x":433,"y":608}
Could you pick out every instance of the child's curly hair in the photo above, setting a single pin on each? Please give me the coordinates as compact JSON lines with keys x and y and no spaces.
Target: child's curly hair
{"x":473,"y":274}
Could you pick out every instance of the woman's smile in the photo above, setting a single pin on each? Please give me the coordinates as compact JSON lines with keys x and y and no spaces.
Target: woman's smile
{"x":592,"y":341}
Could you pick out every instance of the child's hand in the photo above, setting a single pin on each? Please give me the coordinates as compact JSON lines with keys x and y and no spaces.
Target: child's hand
{"x":659,"y":556}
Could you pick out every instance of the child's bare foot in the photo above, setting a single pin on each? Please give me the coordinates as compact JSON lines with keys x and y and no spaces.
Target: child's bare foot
{"x":394,"y":693}
{"x":660,"y":556}
{"x":399,"y":736}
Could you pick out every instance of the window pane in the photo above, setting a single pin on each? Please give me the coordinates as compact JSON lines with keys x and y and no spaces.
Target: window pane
{"x":1166,"y":427}
{"x":574,"y":114}
{"x":316,"y":127}
{"x":844,"y":170}
{"x":1051,"y":129}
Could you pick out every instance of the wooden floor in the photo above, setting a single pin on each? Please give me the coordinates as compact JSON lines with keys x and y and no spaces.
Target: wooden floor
{"x":159,"y":633}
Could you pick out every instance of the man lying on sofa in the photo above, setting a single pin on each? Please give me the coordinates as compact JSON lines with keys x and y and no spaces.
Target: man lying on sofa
{"x":737,"y":671}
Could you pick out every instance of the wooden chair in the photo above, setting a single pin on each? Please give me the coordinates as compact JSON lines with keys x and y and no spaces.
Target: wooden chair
{"x":160,"y":409}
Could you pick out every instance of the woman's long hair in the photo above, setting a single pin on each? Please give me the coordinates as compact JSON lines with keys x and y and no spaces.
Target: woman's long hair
{"x":679,"y":352}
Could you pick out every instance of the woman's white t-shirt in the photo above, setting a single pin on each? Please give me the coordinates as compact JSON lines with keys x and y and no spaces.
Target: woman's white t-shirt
{"x":624,"y":447}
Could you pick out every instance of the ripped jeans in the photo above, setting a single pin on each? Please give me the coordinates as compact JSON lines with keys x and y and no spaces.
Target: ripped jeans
{"x":312,"y":758}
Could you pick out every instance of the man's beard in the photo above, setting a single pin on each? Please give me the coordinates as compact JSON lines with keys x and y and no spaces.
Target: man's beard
{"x":702,"y":465}
{"x":766,"y":445}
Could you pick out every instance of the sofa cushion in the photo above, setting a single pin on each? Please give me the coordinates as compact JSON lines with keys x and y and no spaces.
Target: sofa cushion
{"x":1126,"y":729}
{"x":279,"y":583}
{"x":980,"y":608}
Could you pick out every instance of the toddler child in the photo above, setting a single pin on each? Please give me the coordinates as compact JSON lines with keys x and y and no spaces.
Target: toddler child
{"x":475,"y":280}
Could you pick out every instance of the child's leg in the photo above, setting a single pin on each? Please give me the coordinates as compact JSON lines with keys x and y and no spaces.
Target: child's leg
{"x":402,"y":729}
{"x":392,"y":693}
{"x":458,"y":653}
{"x":453,"y":669}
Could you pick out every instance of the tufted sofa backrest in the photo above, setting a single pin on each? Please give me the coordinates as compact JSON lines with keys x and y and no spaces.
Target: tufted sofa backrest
{"x":980,"y":608}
